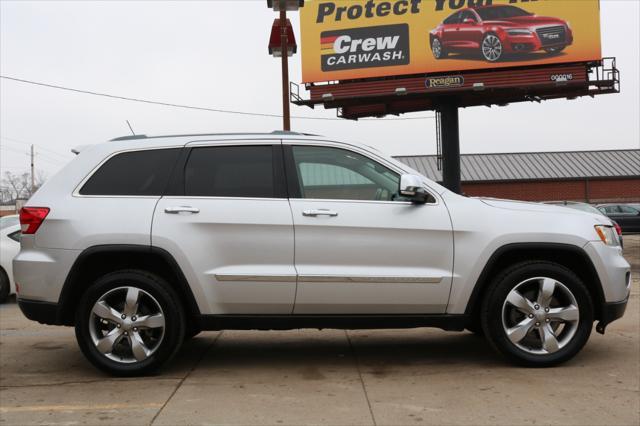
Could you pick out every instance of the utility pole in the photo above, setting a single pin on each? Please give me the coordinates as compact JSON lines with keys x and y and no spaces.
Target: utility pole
{"x":286,"y":118}
{"x":33,"y":178}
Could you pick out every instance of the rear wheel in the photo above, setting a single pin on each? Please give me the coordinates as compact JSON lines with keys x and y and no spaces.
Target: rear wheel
{"x":538,"y":314}
{"x":129,"y":323}
{"x":491,"y":48}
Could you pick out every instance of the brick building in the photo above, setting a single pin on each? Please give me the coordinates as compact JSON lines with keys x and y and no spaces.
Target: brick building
{"x":589,"y":176}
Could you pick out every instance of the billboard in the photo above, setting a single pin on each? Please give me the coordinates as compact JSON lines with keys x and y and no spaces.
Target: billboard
{"x":353,"y":39}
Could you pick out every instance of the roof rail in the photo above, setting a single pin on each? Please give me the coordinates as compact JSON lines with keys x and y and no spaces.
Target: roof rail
{"x":275,"y":133}
{"x":126,"y":138}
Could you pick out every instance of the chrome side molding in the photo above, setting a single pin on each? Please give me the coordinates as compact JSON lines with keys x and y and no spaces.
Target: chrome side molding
{"x":330,"y":279}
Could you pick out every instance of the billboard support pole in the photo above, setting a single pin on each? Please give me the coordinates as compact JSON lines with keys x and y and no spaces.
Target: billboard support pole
{"x":450,"y":133}
{"x":286,"y":119}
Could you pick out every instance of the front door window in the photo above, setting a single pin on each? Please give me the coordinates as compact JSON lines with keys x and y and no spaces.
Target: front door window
{"x":336,"y":174}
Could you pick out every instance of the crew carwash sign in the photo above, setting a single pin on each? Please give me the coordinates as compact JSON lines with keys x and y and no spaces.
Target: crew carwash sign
{"x":354,"y":39}
{"x":365,"y":47}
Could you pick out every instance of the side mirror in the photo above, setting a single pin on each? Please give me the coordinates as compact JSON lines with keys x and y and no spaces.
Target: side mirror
{"x":411,"y":187}
{"x":469,"y":21}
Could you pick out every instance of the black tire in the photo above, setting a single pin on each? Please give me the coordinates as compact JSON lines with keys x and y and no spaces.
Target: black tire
{"x":161,"y":292}
{"x":438,"y":49}
{"x":491,"y":41}
{"x":554,"y":50}
{"x":493,"y":319}
{"x":5,"y":286}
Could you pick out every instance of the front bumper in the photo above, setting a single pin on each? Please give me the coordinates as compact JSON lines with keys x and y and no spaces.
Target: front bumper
{"x":610,"y":313}
{"x":614,"y":272}
{"x":43,"y":312}
{"x":531,"y":43}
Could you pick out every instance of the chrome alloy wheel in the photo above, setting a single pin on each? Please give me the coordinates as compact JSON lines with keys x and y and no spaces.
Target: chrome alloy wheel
{"x":491,"y":48}
{"x":436,"y":48}
{"x":127,"y":324}
{"x":540,"y":315}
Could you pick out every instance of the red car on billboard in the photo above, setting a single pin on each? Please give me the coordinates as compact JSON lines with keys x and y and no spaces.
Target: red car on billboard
{"x":494,"y":31}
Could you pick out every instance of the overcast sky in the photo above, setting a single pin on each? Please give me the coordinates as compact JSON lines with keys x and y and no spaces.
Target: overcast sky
{"x":213,"y":54}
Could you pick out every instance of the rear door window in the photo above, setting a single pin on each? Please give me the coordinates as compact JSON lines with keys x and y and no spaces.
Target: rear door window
{"x":136,"y":173}
{"x":231,"y":171}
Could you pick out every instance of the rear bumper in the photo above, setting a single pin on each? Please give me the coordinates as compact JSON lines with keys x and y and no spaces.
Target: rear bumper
{"x":43,"y":312}
{"x":611,"y":312}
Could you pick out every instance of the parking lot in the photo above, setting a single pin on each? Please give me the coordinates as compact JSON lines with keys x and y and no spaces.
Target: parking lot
{"x":400,"y":377}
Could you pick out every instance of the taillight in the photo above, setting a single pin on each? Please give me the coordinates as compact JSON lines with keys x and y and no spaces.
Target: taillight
{"x":618,"y":228}
{"x":31,"y":218}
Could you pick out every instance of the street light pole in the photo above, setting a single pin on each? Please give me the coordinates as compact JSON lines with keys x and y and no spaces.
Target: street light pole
{"x":282,"y":41}
{"x":286,"y":117}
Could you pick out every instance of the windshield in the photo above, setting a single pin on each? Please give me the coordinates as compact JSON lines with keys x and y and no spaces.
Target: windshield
{"x":8,"y":221}
{"x":501,"y":12}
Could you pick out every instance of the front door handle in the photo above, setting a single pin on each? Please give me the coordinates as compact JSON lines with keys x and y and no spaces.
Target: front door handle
{"x":319,"y":212}
{"x":181,"y":209}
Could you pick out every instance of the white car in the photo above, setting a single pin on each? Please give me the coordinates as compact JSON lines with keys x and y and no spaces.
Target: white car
{"x":9,"y":220}
{"x":9,"y":247}
{"x":141,"y":241}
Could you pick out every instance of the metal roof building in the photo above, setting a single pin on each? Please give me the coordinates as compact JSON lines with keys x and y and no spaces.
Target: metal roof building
{"x":593,"y":176}
{"x":535,"y":165}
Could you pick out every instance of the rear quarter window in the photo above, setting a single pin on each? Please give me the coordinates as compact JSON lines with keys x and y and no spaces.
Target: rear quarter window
{"x":141,"y":173}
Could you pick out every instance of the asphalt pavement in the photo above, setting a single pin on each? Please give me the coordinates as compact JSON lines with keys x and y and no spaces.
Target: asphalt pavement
{"x":310,"y":377}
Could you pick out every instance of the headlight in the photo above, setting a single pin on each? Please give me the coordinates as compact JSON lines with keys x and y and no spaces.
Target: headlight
{"x":519,"y":31}
{"x":608,"y":235}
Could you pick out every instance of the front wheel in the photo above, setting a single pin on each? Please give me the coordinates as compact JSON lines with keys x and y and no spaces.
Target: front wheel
{"x":491,"y":48}
{"x":129,"y":323}
{"x":438,"y":49}
{"x":538,"y":314}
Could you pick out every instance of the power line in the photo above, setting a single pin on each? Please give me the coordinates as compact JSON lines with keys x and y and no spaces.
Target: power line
{"x":48,"y":160}
{"x":17,"y":141}
{"x":174,"y":105}
{"x":42,"y":155}
{"x":45,"y":156}
{"x":10,"y":148}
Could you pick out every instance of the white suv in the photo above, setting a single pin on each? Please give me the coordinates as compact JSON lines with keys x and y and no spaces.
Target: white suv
{"x":142,"y":242}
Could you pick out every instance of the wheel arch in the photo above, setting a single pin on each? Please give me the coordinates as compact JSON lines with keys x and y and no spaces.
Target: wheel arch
{"x":570,"y":256}
{"x":95,"y":261}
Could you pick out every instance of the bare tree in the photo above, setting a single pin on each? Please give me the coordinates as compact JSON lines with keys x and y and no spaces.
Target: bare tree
{"x":14,"y":186}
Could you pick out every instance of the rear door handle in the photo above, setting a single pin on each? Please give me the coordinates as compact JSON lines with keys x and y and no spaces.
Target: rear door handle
{"x":181,"y":209}
{"x":319,"y":212}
